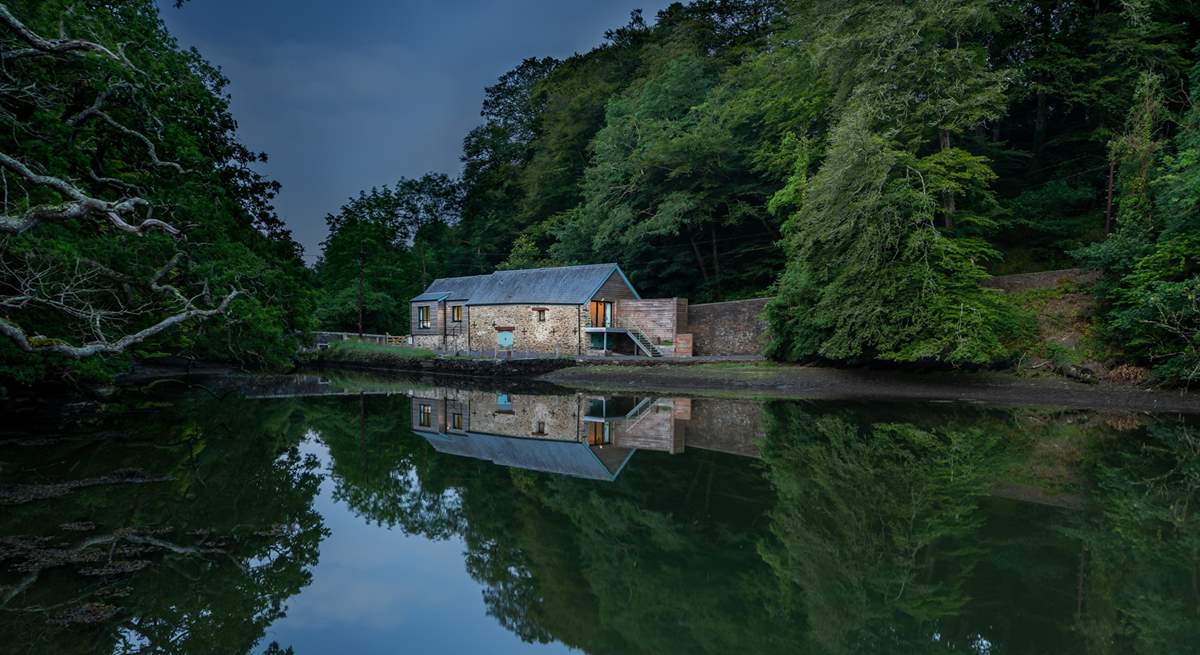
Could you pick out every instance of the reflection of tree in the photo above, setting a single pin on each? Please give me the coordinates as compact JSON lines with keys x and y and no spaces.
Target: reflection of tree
{"x":201,"y":563}
{"x":1142,"y":562}
{"x":864,"y":535}
{"x":662,"y":561}
{"x":876,"y":527}
{"x":379,"y":467}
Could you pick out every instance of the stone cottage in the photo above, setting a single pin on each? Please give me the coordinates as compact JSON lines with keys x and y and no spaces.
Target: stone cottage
{"x":577,"y":310}
{"x":568,"y":310}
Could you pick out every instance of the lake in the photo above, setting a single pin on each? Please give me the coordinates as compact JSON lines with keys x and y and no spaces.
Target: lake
{"x":345,"y":513}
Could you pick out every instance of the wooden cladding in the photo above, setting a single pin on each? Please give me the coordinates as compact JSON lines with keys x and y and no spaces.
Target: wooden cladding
{"x":614,"y":288}
{"x":659,"y":318}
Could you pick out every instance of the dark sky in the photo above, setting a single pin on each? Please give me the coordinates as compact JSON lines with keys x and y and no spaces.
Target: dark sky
{"x":352,"y":94}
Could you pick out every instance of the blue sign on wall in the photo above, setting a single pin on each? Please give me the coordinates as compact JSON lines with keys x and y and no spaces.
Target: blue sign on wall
{"x":504,"y":339}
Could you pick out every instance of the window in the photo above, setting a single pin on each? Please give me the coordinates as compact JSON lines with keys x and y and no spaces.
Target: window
{"x":456,"y":314}
{"x":456,"y":421}
{"x":423,"y":322}
{"x":425,"y":415}
{"x":601,"y":313}
{"x":539,"y":429}
{"x":541,"y":315}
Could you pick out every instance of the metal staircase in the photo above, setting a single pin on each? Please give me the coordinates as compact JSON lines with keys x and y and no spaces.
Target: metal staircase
{"x":643,"y":341}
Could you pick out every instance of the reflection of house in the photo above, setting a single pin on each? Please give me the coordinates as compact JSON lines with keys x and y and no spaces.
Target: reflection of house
{"x":583,"y":436}
{"x":568,"y":310}
{"x":536,"y":432}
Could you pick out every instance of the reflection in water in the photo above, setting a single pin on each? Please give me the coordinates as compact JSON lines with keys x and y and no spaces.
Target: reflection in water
{"x":583,"y":436}
{"x":637,"y":524}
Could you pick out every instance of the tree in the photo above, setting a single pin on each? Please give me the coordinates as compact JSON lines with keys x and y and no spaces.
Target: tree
{"x":397,"y":236}
{"x":1151,"y":263}
{"x":885,"y":255}
{"x":130,"y":210}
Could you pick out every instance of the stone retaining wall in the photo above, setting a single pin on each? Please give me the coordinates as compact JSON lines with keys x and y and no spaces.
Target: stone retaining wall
{"x":728,"y":328}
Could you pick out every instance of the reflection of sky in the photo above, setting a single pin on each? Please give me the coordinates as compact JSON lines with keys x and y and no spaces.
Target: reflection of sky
{"x":377,"y":590}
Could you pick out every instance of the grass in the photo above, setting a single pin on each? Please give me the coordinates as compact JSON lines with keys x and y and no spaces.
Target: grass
{"x":372,"y":353}
{"x":1065,"y":334}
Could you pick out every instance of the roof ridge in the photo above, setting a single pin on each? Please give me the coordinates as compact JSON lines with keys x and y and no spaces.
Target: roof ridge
{"x":572,"y":284}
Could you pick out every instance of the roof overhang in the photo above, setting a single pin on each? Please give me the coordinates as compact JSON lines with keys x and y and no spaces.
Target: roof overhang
{"x":436,"y":296}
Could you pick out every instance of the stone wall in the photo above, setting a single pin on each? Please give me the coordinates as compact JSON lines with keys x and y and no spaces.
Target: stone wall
{"x":430,"y":341}
{"x":554,"y":417}
{"x":559,"y":333}
{"x":659,"y":318}
{"x":728,"y":328}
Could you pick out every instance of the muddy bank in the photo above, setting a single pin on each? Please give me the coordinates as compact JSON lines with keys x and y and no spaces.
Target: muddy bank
{"x":803,"y":382}
{"x":515,"y":368}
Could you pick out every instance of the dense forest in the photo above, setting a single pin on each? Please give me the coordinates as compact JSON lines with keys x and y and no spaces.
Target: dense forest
{"x":867,"y":164}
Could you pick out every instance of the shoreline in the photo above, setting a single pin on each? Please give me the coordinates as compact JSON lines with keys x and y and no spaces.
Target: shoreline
{"x":766,"y":381}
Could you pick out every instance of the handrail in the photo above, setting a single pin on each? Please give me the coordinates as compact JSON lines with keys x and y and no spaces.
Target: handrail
{"x":639,"y":335}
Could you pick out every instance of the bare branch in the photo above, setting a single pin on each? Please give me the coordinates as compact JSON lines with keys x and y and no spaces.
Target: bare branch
{"x":150,"y":149}
{"x":81,"y":205}
{"x":39,"y":45}
{"x":39,"y":344}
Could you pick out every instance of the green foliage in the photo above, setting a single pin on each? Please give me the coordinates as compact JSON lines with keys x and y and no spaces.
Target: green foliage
{"x":164,"y":134}
{"x":398,"y":237}
{"x":871,"y":276}
{"x":869,"y":164}
{"x":1151,"y":290}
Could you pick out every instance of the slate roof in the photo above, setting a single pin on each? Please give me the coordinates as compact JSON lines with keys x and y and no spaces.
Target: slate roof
{"x":571,"y":458}
{"x":431,"y":295}
{"x":454,"y":288}
{"x":564,"y":285}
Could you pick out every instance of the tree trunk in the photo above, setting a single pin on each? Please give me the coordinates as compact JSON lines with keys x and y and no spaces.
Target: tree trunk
{"x":1039,"y":129}
{"x":1108,"y":207}
{"x":948,"y":202}
{"x":699,"y":258}
{"x":715,"y":258}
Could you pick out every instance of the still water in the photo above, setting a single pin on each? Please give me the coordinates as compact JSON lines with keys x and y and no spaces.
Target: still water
{"x":316,"y":515}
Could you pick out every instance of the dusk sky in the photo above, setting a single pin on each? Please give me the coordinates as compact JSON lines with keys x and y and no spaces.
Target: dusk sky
{"x":348,"y":95}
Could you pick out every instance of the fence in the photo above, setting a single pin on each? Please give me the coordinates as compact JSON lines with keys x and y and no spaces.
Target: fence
{"x":323,"y":339}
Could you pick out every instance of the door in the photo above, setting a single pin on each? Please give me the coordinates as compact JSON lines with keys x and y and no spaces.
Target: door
{"x":504,"y":339}
{"x":598,"y":434}
{"x":601,"y":313}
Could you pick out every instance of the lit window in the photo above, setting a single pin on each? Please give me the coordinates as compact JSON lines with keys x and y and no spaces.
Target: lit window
{"x":456,"y":421}
{"x":456,"y":314}
{"x":425,"y":415}
{"x":423,"y":321}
